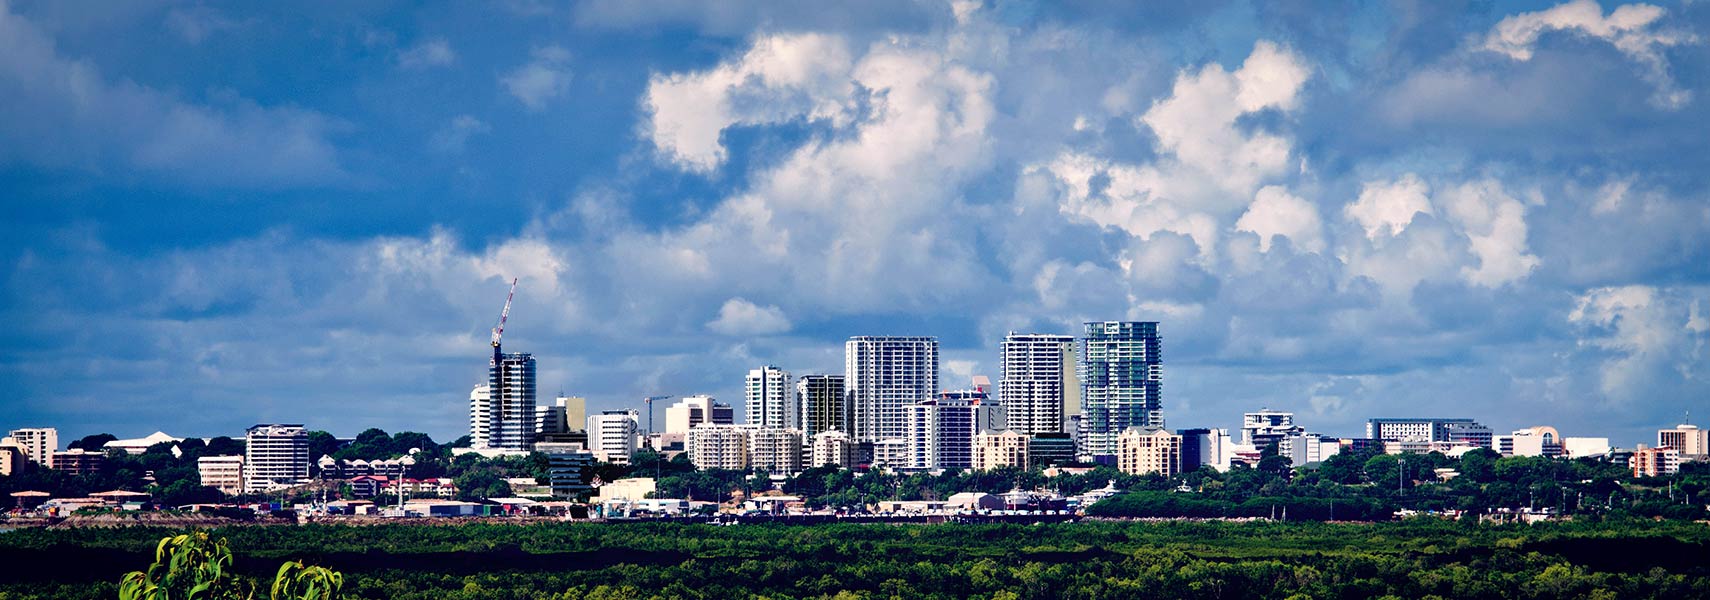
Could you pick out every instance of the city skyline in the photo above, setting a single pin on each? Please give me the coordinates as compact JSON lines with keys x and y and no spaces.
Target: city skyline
{"x":223,"y":216}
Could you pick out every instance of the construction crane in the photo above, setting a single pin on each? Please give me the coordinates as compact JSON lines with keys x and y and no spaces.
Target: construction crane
{"x":499,"y":330}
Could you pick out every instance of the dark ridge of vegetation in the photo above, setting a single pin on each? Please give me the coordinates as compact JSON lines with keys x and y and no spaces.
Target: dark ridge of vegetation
{"x":1417,"y":558}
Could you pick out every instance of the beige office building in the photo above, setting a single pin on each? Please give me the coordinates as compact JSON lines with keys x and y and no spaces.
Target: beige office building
{"x":1141,"y":450}
{"x":994,"y":450}
{"x":224,"y":473}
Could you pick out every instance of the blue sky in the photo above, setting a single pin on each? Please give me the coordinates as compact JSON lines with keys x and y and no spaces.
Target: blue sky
{"x":218,"y":215}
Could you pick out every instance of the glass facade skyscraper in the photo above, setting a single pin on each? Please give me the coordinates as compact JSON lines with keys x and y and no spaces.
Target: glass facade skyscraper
{"x":1122,"y":377}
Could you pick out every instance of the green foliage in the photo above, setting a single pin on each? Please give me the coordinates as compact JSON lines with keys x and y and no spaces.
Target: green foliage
{"x":185,"y":566}
{"x":92,"y":443}
{"x":194,"y":566}
{"x":1173,"y":559}
{"x":297,"y":582}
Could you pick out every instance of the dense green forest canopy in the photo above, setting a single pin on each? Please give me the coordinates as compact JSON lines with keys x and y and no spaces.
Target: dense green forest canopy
{"x":1416,"y":558}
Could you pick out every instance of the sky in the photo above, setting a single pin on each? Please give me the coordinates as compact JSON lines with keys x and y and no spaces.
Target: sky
{"x":216,"y":215}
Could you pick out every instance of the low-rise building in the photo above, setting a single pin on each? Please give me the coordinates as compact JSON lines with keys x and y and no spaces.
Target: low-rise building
{"x":224,"y":473}
{"x":833,"y":448}
{"x":1051,"y":449}
{"x":78,"y":462}
{"x":1692,"y":442}
{"x":12,"y":460}
{"x":565,"y":465}
{"x":442,"y":508}
{"x":1531,"y":441}
{"x":1585,"y":447}
{"x":1653,"y":462}
{"x":142,"y":444}
{"x":712,"y":446}
{"x":775,"y":450}
{"x":37,"y":443}
{"x":1141,"y":450}
{"x":1005,"y":448}
{"x":614,"y":435}
{"x":975,"y":501}
{"x":633,"y":488}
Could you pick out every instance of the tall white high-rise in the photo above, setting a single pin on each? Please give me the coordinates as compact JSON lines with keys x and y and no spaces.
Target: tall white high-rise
{"x":481,"y":417}
{"x":1122,"y":378}
{"x":771,"y":403}
{"x":884,"y":376}
{"x":1037,"y":384}
{"x":275,"y":456}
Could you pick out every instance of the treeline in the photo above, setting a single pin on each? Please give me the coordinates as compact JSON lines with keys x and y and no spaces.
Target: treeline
{"x":1414,"y":559}
{"x":1365,"y":485}
{"x":175,"y":480}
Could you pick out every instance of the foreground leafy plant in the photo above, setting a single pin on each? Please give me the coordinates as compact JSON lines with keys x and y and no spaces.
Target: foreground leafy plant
{"x":193,"y":566}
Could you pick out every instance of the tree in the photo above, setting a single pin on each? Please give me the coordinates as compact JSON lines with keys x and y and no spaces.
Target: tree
{"x":225,"y":446}
{"x":92,"y":442}
{"x":321,"y":444}
{"x":481,"y":483}
{"x":1382,"y":469}
{"x":194,"y":565}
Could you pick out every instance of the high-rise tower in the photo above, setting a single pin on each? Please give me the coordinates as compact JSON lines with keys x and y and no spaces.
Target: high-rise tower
{"x":884,"y":376}
{"x":822,"y":402}
{"x":1122,"y":376}
{"x":504,"y":415}
{"x":1037,"y":383}
{"x":770,"y":403}
{"x":511,"y":404}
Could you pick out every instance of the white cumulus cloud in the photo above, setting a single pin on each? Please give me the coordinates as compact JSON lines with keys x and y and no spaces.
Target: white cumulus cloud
{"x":1495,"y":223}
{"x":741,"y":317}
{"x":1631,"y":28}
{"x":780,"y":78}
{"x":1387,"y":208}
{"x":1276,"y":212}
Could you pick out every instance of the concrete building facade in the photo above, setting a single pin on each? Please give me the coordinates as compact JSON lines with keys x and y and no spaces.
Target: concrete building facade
{"x":691,"y":411}
{"x":37,"y":443}
{"x":1446,"y":431}
{"x":1692,"y":442}
{"x":1038,"y":385}
{"x":275,"y":456}
{"x":712,"y":446}
{"x":832,"y":447}
{"x":940,"y":433}
{"x":614,"y":435}
{"x":993,"y":450}
{"x":775,"y":450}
{"x":224,"y":473}
{"x":884,"y":376}
{"x":1142,"y":450}
{"x":771,"y":401}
